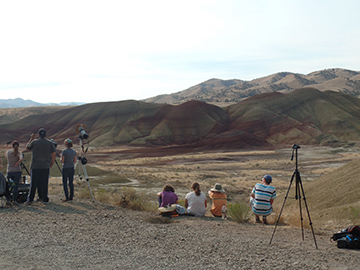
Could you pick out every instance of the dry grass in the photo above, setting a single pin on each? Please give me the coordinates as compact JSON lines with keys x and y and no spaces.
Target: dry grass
{"x":332,"y":206}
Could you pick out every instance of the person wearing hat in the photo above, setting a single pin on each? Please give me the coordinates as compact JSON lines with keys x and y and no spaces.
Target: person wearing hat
{"x":219,"y":199}
{"x":68,"y":159}
{"x":262,"y":198}
{"x":43,"y":154}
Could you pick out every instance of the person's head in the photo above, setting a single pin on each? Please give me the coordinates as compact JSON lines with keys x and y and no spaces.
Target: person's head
{"x":42,"y":133}
{"x":68,"y":143}
{"x":15,"y":145}
{"x":267,"y":179}
{"x":168,"y":188}
{"x":218,"y":188}
{"x":196,"y":188}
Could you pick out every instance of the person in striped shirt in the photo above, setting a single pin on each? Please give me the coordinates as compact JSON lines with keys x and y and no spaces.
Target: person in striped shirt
{"x":262,"y":198}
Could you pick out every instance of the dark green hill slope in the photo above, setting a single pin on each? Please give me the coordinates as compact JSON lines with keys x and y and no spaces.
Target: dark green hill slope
{"x":304,"y":116}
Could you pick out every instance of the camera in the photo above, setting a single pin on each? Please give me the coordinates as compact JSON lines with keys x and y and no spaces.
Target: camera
{"x":83,"y":160}
{"x":82,"y":133}
{"x":296,"y":146}
{"x":55,"y":144}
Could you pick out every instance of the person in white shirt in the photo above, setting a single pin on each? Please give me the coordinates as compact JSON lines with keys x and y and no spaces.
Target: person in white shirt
{"x":195,"y":201}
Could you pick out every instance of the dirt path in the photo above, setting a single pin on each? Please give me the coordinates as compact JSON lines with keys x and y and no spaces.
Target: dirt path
{"x":81,"y":235}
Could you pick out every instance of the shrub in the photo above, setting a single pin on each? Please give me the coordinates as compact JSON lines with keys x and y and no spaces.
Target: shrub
{"x":239,"y":212}
{"x":131,"y":199}
{"x":354,"y":214}
{"x":125,"y":197}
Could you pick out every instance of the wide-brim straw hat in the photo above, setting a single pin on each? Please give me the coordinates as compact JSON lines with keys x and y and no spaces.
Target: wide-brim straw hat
{"x":218,"y":187}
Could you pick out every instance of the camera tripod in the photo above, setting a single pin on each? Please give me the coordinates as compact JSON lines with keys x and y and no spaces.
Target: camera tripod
{"x":23,"y":167}
{"x":299,"y":190}
{"x":82,"y":168}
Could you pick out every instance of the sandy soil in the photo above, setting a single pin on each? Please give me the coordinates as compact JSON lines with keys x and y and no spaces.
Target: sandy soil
{"x":83,"y":235}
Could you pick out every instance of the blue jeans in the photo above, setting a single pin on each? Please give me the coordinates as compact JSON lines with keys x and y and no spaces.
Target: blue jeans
{"x":68,"y":173}
{"x":15,"y":176}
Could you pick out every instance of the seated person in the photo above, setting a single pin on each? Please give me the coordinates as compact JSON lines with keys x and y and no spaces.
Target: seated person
{"x":167,"y":196}
{"x":195,"y":201}
{"x":219,"y":199}
{"x":262,"y":198}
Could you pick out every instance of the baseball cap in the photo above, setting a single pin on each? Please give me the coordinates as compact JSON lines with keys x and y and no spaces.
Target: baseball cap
{"x":42,"y":133}
{"x":268,"y":178}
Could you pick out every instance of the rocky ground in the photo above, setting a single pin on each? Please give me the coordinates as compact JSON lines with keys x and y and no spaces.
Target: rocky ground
{"x":83,"y":235}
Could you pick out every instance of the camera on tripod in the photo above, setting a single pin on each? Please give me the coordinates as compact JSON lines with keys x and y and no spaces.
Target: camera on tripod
{"x":296,"y":146}
{"x":82,"y":133}
{"x":54,"y":143}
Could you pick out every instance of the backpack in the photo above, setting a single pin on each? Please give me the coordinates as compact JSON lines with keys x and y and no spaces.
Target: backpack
{"x":348,"y":237}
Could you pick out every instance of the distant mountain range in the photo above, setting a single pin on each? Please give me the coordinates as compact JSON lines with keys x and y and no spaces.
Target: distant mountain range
{"x":304,"y":116}
{"x":21,"y":103}
{"x":226,"y":92}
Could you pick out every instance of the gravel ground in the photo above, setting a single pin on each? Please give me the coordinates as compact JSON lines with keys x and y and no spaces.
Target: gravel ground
{"x":82,"y":235}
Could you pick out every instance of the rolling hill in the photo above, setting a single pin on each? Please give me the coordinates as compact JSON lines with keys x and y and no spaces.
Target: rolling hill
{"x":222,"y":92}
{"x":304,"y":116}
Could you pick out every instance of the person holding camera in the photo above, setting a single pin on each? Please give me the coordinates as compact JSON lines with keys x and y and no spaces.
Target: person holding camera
{"x":14,"y":159}
{"x":262,"y":198}
{"x":68,"y":159}
{"x":43,"y":154}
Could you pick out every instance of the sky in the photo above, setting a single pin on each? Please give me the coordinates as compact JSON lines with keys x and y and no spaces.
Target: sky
{"x":95,"y":51}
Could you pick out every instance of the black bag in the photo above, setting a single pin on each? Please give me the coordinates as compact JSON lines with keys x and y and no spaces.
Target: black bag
{"x":349,"y":241}
{"x":348,"y":237}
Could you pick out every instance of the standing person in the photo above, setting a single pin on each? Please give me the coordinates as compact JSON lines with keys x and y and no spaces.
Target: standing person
{"x":167,"y":196}
{"x":42,"y":159}
{"x":68,"y":158}
{"x":195,"y":201}
{"x":14,"y":159}
{"x":219,"y":199}
{"x":262,"y":198}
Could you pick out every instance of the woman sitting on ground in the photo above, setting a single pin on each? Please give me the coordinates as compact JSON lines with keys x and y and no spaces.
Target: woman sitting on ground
{"x":219,"y":198}
{"x":195,"y":201}
{"x":167,"y":197}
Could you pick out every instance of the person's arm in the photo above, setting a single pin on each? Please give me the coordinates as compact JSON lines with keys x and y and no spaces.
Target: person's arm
{"x":186,"y":203}
{"x":205,"y":203}
{"x":271,"y":201}
{"x":53,"y":157}
{"x":32,"y":137}
{"x":20,"y":159}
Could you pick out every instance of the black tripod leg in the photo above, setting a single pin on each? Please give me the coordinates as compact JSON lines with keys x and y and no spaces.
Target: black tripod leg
{"x":308,"y":213}
{"x":298,"y":197}
{"x":287,"y":193}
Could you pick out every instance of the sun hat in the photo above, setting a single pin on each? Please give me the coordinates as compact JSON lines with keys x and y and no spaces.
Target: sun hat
{"x":218,"y":188}
{"x":42,"y":133}
{"x":268,"y":178}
